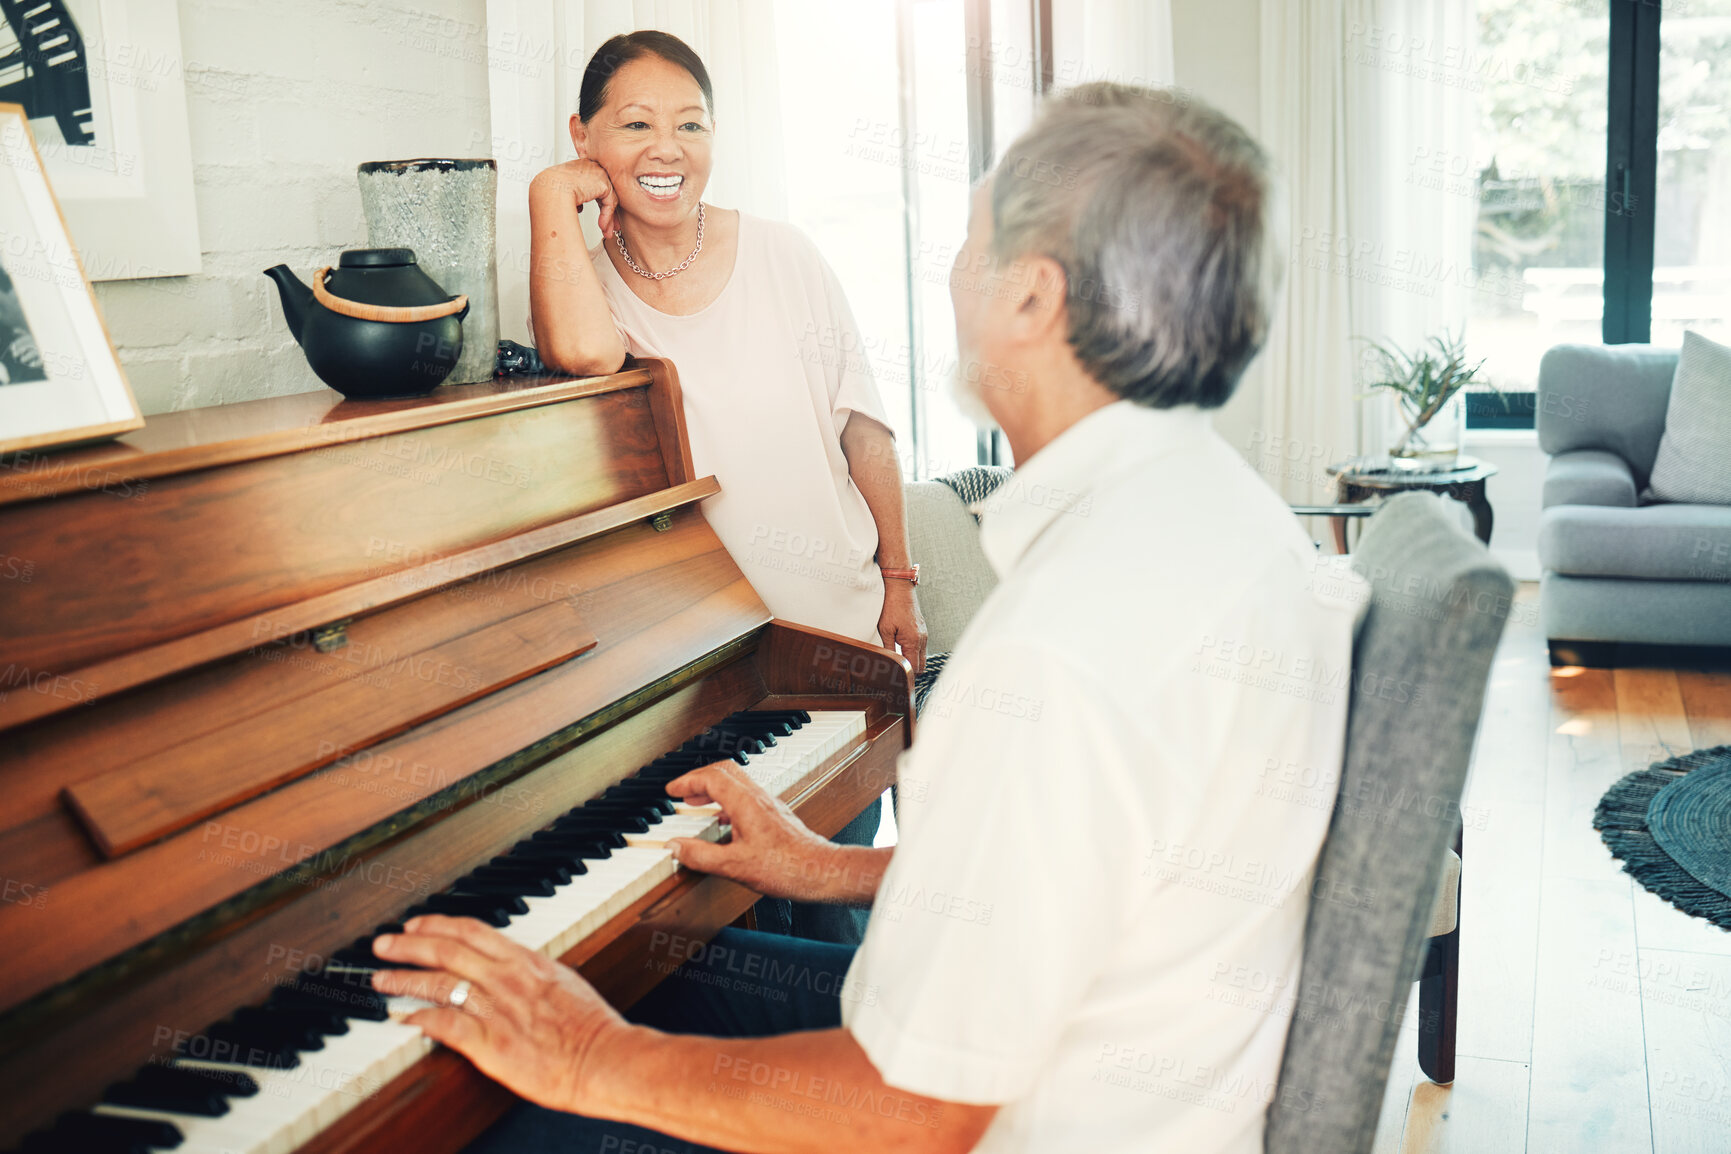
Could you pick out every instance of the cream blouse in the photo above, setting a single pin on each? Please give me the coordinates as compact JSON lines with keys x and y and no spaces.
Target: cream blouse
{"x":771,"y":370}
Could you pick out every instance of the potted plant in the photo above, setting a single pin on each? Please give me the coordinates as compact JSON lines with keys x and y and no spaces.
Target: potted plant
{"x":1427,"y":382}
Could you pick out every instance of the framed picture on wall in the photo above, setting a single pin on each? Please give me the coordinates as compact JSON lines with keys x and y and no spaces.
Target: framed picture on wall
{"x":60,"y":378}
{"x":103,"y":84}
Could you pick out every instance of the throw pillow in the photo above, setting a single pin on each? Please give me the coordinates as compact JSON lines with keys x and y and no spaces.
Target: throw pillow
{"x":1694,"y":461}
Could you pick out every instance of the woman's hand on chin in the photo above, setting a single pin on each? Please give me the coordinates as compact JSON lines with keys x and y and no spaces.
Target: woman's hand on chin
{"x":582,"y":181}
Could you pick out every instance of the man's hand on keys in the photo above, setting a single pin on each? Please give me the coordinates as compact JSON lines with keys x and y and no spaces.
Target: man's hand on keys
{"x":771,"y":850}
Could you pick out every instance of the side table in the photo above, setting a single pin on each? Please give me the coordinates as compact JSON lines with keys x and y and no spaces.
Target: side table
{"x":1365,"y":477}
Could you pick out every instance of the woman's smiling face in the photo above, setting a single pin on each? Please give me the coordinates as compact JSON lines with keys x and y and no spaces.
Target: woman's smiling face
{"x":654,"y":137}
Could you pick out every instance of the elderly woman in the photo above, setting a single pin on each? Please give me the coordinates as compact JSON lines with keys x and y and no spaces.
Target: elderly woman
{"x":811,"y":501}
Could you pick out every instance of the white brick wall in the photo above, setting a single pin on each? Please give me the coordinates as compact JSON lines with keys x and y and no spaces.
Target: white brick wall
{"x":284,"y":99}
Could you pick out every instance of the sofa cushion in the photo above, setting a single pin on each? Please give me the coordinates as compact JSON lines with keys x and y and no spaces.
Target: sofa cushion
{"x":1606,"y":397}
{"x":1589,"y":477}
{"x":1656,"y":542}
{"x":1694,"y":461}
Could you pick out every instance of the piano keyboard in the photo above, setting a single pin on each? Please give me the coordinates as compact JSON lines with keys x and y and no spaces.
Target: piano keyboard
{"x":273,"y":1077}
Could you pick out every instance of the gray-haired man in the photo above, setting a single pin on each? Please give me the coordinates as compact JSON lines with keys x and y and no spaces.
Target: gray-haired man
{"x":1087,"y":937}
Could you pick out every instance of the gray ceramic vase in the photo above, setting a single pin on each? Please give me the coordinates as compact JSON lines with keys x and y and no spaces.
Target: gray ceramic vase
{"x":445,"y":210}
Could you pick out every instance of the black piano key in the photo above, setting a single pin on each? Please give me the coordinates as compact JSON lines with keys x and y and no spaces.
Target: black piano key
{"x":349,"y":993}
{"x":688,"y":759}
{"x":520,"y":887}
{"x":652,"y":809}
{"x":504,"y":868}
{"x":723,"y":743}
{"x":572,"y":844}
{"x":795,"y":717}
{"x":511,"y":904}
{"x":561,"y":853}
{"x":240,"y":1047}
{"x":773,"y":726}
{"x":293,"y":1025}
{"x":635,"y":787}
{"x":485,"y":910}
{"x":357,"y":956}
{"x":752,"y":744}
{"x":291,"y":1019}
{"x":259,"y":1043}
{"x":685,"y":761}
{"x":763,"y":733}
{"x":753,"y":739}
{"x":176,"y":1089}
{"x":608,"y":830}
{"x":769,"y":726}
{"x":103,"y":1134}
{"x":648,"y":803}
{"x":229,"y":1083}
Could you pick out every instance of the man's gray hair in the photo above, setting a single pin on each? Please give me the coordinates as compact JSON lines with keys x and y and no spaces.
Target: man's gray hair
{"x":1155,"y":205}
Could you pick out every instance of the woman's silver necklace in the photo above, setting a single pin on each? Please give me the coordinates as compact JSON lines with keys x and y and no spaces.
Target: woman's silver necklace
{"x":619,"y":236}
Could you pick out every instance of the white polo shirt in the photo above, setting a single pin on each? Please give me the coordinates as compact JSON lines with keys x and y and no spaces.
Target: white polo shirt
{"x":1112,"y":811}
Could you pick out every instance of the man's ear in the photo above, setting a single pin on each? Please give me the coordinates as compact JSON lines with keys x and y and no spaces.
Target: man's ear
{"x":1044,"y":296}
{"x":579,"y":135}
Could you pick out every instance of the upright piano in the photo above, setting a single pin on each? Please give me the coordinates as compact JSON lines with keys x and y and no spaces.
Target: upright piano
{"x":278,"y":673}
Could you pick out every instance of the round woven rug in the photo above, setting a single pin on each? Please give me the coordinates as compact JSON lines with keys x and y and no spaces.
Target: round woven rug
{"x":1670,"y":825}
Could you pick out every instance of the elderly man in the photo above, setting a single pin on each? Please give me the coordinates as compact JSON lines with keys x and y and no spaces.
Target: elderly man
{"x":1083,"y":939}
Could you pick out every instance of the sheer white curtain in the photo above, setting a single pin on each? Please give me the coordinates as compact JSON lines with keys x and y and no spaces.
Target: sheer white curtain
{"x":537,"y":50}
{"x":1358,"y":104}
{"x":1123,"y":40}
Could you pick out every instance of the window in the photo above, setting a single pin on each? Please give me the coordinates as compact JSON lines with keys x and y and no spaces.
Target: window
{"x":882,"y":140}
{"x":1539,"y":162}
{"x":844,"y":184}
{"x":1692,"y":194}
{"x":1603,"y":165}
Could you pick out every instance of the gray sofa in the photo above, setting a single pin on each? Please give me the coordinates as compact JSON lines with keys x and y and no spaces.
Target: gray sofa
{"x":1621,"y":577}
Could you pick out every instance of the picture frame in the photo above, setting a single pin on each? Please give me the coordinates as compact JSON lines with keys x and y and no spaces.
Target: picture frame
{"x":107,"y":104}
{"x":61,"y":382}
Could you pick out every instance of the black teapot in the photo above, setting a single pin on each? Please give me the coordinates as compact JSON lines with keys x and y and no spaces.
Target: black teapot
{"x":376,"y":325}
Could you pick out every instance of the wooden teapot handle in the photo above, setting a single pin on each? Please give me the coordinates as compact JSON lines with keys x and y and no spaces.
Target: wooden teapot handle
{"x":399,"y":314}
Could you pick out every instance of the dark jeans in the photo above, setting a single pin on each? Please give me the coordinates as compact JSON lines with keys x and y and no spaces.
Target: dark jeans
{"x":744,"y":984}
{"x":816,"y":920}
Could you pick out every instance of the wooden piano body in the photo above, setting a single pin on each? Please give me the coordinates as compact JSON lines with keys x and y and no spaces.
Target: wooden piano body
{"x":271,"y":672}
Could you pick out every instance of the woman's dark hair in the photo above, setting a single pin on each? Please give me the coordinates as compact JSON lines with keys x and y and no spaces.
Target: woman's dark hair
{"x":629,"y":46}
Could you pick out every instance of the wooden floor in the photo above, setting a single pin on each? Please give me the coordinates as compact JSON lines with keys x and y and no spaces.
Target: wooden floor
{"x":1594,"y":1017}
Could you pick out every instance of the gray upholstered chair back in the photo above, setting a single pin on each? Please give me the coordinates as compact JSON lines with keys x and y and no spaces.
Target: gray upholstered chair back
{"x":1420,"y":662}
{"x":954,"y":573}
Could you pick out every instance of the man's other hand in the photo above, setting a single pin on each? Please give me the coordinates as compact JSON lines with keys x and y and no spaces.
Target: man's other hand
{"x":771,"y":850}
